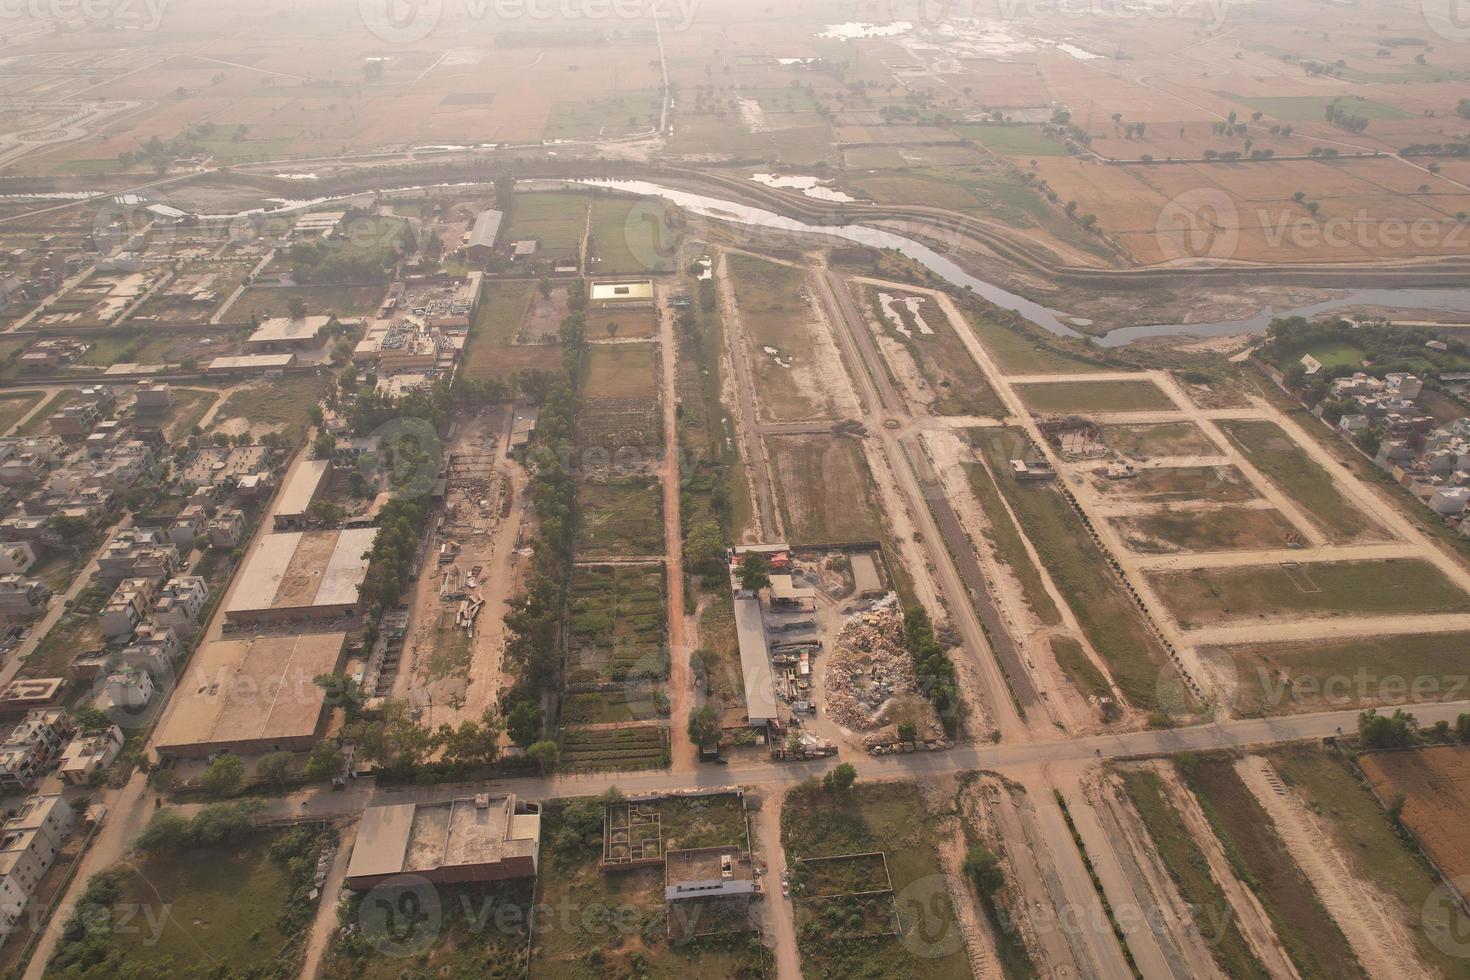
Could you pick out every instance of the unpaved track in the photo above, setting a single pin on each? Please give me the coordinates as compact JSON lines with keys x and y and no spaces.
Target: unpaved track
{"x":1328,"y":629}
{"x":1376,"y":934}
{"x":747,"y":419}
{"x":1251,"y":919}
{"x":780,"y":917}
{"x":681,"y":690}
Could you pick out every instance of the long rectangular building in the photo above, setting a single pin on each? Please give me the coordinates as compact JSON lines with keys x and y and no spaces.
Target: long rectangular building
{"x":250,"y":696}
{"x":487,"y":838}
{"x":755,"y":661}
{"x":301,"y":575}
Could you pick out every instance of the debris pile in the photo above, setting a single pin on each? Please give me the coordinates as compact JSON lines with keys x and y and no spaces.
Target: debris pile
{"x":869,"y":668}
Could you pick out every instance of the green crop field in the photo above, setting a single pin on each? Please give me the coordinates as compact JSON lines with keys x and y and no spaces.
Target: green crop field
{"x":1067,"y":397}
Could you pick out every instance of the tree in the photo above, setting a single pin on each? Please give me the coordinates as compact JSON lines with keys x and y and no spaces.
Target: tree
{"x":704,"y":548}
{"x":840,"y":777}
{"x":983,"y":870}
{"x":274,"y":767}
{"x":89,"y":719}
{"x":325,"y":761}
{"x":545,"y":753}
{"x":167,"y":830}
{"x":1377,"y":731}
{"x":224,"y":776}
{"x":704,"y":724}
{"x":71,"y":530}
{"x":524,"y":723}
{"x":908,"y":732}
{"x":754,"y":572}
{"x":296,"y":307}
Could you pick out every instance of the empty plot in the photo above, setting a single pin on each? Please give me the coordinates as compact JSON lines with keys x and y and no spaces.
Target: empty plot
{"x":1300,"y":477}
{"x":824,"y":490}
{"x":1221,"y":484}
{"x":927,"y":355}
{"x":1073,"y":397}
{"x":789,"y":362}
{"x":1158,"y":440}
{"x":1018,"y":348}
{"x":555,"y":220}
{"x":629,"y":237}
{"x":620,"y":517}
{"x":1331,"y":675}
{"x":1229,"y":529}
{"x":1210,"y":596}
{"x":620,"y":371}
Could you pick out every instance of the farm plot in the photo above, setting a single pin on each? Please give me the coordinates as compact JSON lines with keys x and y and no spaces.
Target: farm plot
{"x":1212,"y":596}
{"x":501,"y":317}
{"x":629,"y":237}
{"x":824,"y":490}
{"x":1332,"y":675}
{"x":620,"y":517}
{"x":1168,"y":484}
{"x":1164,"y":439}
{"x":621,"y":371}
{"x":1259,"y":856}
{"x":1277,"y":455}
{"x":618,"y":619}
{"x":1081,"y":570}
{"x":856,"y":935}
{"x":1434,"y":783}
{"x":555,"y":220}
{"x":1228,"y":529}
{"x":927,"y":356}
{"x":1019,"y":348}
{"x":616,"y":749}
{"x":1083,"y":397}
{"x":631,"y":938}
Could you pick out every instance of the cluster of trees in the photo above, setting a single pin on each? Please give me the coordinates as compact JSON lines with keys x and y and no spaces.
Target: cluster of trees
{"x":391,"y":557}
{"x":389,"y":737}
{"x":534,"y":621}
{"x":1462,"y":108}
{"x":1343,"y":119}
{"x":1401,"y":730}
{"x":1436,"y":150}
{"x":368,"y":253}
{"x":221,"y":823}
{"x":372,"y":408}
{"x":933,"y":671}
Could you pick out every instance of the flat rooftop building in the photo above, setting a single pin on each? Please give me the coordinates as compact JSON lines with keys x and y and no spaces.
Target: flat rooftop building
{"x":249,"y":696}
{"x":301,"y":575}
{"x":755,"y":661}
{"x":303,"y":485}
{"x":250,"y":363}
{"x":281,"y":333}
{"x":484,"y":838}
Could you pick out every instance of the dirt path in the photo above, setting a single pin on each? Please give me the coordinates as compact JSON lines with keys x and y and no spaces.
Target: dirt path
{"x":950,"y":842}
{"x":1319,"y":629}
{"x":1255,"y":926}
{"x":1372,"y":928}
{"x":325,"y":922}
{"x":780,"y":917}
{"x":747,"y":421}
{"x":681,"y":685}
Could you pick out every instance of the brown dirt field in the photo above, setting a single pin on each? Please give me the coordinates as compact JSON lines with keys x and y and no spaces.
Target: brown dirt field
{"x":1435,"y":785}
{"x":1232,"y":529}
{"x":620,"y":371}
{"x":824,"y":490}
{"x":1221,"y":484}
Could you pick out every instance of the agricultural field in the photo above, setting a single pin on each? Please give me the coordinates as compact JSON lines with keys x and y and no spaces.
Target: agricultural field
{"x":630,"y":935}
{"x":1009,"y":546}
{"x":1215,"y":596}
{"x":1333,"y":675}
{"x":499,"y":321}
{"x":617,"y":625}
{"x":852,"y":936}
{"x":616,"y":749}
{"x":628,"y":237}
{"x":1113,"y":623}
{"x":824,"y":490}
{"x":620,"y":517}
{"x":1023,"y":142}
{"x":1434,"y":783}
{"x":556,"y":220}
{"x":1228,"y":529}
{"x":1144,"y":442}
{"x":621,"y":371}
{"x":1277,"y":455}
{"x":1086,"y":397}
{"x":926,"y":356}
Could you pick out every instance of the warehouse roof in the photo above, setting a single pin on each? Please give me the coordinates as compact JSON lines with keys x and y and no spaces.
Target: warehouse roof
{"x":755,"y":660}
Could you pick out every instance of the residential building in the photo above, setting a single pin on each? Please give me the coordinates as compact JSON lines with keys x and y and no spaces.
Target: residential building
{"x":90,"y":753}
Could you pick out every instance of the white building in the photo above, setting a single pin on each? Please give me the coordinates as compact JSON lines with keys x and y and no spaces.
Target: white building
{"x":90,"y":753}
{"x":29,"y":842}
{"x":181,"y":602}
{"x":29,"y":747}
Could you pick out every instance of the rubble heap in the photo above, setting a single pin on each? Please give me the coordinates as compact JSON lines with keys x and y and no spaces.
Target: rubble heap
{"x":869,"y":668}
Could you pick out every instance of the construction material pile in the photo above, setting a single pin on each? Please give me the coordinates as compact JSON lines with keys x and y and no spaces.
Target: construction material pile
{"x":869,"y":668}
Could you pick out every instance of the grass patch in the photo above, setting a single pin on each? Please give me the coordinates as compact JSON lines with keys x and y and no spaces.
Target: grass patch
{"x":1220,"y":484}
{"x":1021,"y":349}
{"x":957,"y":384}
{"x":283,"y":404}
{"x":619,"y":114}
{"x":775,"y":317}
{"x":1010,"y":547}
{"x":1287,"y":465}
{"x":1331,"y":675}
{"x":40,"y":423}
{"x":617,"y":624}
{"x":1014,"y":141}
{"x":887,"y":817}
{"x":1187,"y":865}
{"x":1211,"y":596}
{"x":620,"y":517}
{"x":628,"y":237}
{"x":498,"y":319}
{"x":1164,"y":439}
{"x":14,"y":405}
{"x":620,"y":371}
{"x":1079,"y":667}
{"x":1260,"y":859}
{"x":554,"y":219}
{"x":1313,"y":108}
{"x":1113,"y":623}
{"x":614,"y":749}
{"x":1234,"y":529}
{"x":824,"y":490}
{"x":1066,"y":398}
{"x":268,"y":301}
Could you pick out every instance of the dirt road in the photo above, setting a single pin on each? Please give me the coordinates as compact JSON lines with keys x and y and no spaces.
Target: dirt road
{"x":780,"y":918}
{"x":325,"y":922}
{"x":681,"y":684}
{"x":747,"y":418}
